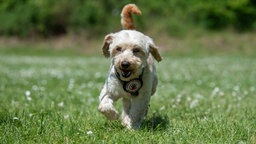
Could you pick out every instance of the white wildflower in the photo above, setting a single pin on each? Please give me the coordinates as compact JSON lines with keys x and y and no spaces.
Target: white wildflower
{"x":29,"y":98}
{"x":198,"y":96}
{"x":189,"y":99}
{"x":71,"y":84}
{"x":246,"y":92}
{"x":27,"y":93}
{"x":162,"y":108}
{"x":14,"y":103}
{"x":179,"y":96}
{"x":215,"y":91}
{"x":89,"y":132}
{"x":221,"y":93}
{"x":236,"y":88}
{"x":61,"y":104}
{"x":66,"y":116}
{"x":178,"y":100}
{"x":15,"y":118}
{"x":193,"y":103}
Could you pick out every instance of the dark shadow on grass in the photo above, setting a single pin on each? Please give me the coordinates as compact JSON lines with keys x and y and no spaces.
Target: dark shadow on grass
{"x":156,"y":122}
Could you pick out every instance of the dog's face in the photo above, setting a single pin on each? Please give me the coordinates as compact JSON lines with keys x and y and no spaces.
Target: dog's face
{"x":129,"y":51}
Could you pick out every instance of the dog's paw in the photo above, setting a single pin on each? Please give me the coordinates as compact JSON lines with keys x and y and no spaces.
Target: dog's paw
{"x":110,"y":112}
{"x":134,"y":126}
{"x":126,"y":122}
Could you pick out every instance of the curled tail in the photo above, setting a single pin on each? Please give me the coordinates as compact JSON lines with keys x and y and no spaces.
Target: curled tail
{"x":126,"y":16}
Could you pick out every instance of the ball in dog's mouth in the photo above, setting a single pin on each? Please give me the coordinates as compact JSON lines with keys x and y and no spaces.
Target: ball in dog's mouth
{"x":126,"y":73}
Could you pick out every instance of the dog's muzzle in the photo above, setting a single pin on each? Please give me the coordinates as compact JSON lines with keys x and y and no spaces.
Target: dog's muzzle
{"x":125,"y":72}
{"x":133,"y":86}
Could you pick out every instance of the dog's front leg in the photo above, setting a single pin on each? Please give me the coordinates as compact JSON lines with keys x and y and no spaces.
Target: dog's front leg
{"x":106,"y":106}
{"x":138,"y":110}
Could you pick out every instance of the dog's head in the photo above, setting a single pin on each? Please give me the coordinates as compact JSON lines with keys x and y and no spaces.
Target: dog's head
{"x":129,"y":51}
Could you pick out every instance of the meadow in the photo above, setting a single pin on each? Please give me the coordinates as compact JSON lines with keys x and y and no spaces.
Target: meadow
{"x":52,"y":98}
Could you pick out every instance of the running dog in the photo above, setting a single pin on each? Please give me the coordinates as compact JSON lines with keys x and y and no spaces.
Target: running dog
{"x":132,"y":74}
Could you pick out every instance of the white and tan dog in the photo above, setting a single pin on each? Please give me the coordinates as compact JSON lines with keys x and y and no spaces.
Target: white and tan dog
{"x":132,"y":75}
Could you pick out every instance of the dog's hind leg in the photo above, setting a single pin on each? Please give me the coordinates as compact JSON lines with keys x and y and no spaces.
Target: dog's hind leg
{"x":126,"y":110}
{"x":138,"y":111}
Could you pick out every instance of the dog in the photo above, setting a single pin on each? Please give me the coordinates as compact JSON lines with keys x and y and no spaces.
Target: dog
{"x":132,"y":74}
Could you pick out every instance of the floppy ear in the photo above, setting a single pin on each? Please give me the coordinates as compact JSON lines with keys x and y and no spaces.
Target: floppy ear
{"x":105,"y":47}
{"x":153,"y":49}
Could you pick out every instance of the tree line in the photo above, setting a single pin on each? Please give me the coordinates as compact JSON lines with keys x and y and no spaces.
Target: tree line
{"x":50,"y":17}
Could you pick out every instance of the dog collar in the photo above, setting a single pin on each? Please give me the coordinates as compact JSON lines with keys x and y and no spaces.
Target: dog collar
{"x":133,"y":86}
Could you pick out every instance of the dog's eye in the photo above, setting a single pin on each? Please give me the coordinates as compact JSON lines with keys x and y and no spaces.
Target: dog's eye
{"x":136,"y":50}
{"x":119,"y":49}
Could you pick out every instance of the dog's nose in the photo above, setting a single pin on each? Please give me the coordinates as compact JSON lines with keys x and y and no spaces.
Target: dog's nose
{"x":125,"y":64}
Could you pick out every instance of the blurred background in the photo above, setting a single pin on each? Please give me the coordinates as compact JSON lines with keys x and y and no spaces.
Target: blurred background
{"x":192,"y":27}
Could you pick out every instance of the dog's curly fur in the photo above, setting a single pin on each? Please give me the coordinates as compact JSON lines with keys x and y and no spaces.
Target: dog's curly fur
{"x":126,"y":16}
{"x":132,"y":56}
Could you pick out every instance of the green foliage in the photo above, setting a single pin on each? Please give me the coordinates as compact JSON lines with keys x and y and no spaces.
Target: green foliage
{"x":16,"y":17}
{"x":48,"y":17}
{"x":245,"y":12}
{"x":241,"y":14}
{"x":212,"y":14}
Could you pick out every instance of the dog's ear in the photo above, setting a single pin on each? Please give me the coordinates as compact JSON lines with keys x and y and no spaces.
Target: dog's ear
{"x":153,"y":49}
{"x":105,"y":47}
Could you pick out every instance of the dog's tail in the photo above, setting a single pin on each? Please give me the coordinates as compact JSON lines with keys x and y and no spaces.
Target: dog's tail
{"x":126,"y":16}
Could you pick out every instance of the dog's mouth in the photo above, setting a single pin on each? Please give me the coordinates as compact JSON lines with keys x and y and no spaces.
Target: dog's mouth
{"x":126,"y":73}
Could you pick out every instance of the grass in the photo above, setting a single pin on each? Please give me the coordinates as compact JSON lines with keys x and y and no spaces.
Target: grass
{"x":53,"y":99}
{"x":199,"y":100}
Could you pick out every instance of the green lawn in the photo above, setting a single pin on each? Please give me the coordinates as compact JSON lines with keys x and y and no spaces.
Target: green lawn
{"x":54,"y":99}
